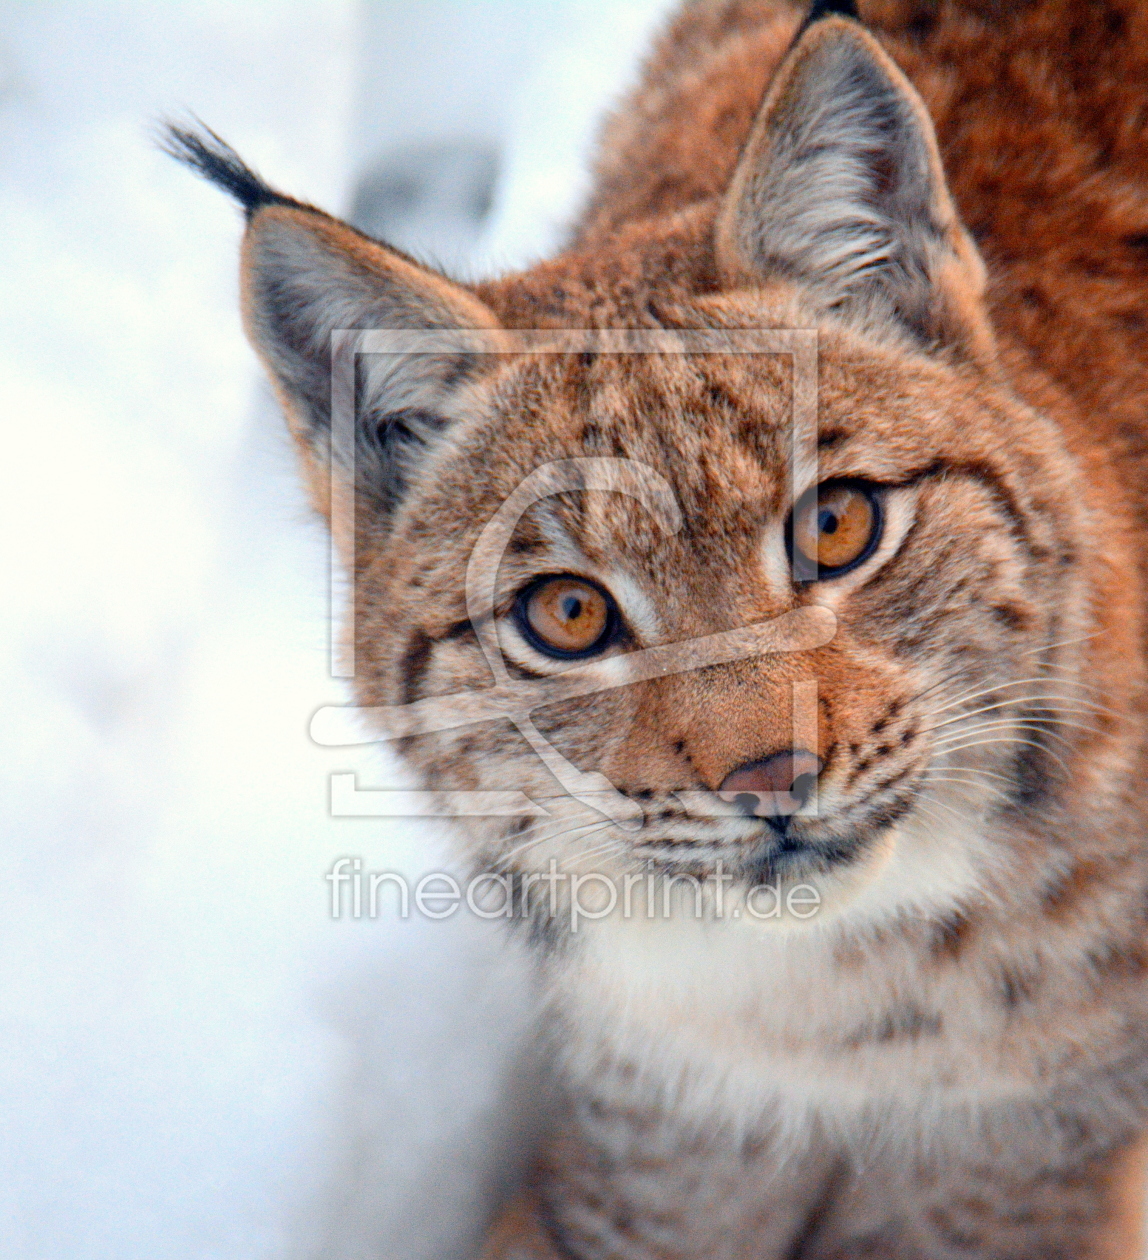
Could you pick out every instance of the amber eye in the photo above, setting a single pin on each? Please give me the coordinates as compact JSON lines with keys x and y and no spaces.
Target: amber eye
{"x":566,"y":616}
{"x":833,"y":529}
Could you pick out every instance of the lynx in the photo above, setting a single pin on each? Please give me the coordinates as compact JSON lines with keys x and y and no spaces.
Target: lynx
{"x":849,"y":733}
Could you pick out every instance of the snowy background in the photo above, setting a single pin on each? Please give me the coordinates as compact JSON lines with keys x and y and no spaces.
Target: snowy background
{"x":195,"y":1059}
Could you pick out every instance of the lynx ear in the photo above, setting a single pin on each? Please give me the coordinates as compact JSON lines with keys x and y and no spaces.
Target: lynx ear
{"x":840,"y":188}
{"x":308,"y":278}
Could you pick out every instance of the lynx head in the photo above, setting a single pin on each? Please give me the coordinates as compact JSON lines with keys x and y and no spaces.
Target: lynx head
{"x":927,"y":557}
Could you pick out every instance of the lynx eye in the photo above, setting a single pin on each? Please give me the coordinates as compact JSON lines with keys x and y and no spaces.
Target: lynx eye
{"x":833,"y":529}
{"x":566,"y":616}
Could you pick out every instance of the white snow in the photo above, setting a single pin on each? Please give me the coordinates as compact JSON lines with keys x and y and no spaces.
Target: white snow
{"x":195,"y":1059}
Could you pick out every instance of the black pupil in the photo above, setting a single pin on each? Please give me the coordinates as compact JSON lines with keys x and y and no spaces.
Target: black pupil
{"x":571,"y":607}
{"x":827,"y":521}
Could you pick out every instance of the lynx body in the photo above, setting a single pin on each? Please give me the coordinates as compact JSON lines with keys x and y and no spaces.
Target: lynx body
{"x":950,"y":1057}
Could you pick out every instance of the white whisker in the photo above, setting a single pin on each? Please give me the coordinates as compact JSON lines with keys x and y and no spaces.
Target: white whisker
{"x":1004,"y":704}
{"x":1002,"y":740}
{"x":967,"y":770}
{"x":552,"y":836}
{"x":1037,"y":726}
{"x":1047,"y":647}
{"x":920,"y":804}
{"x":613,"y":845}
{"x":939,"y":778}
{"x":1022,"y":682}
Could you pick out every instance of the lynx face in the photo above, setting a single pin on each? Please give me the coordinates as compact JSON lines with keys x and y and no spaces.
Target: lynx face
{"x":946,"y":695}
{"x":942,"y":524}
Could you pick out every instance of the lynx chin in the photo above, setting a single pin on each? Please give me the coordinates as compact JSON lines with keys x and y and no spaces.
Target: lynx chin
{"x":939,"y":725}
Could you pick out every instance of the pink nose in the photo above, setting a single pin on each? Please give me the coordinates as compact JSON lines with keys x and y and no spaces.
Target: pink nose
{"x":774,"y":787}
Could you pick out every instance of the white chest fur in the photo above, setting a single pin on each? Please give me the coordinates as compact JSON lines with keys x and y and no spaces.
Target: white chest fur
{"x":732,"y":1020}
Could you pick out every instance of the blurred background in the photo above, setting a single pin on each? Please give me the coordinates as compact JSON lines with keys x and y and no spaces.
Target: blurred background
{"x":196,"y":1060}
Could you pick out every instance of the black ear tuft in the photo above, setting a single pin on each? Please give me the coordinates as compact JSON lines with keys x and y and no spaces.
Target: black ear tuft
{"x":213,"y":158}
{"x":828,"y":8}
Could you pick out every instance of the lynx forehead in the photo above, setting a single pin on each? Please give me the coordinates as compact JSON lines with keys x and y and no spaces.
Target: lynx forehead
{"x":948,"y":1058}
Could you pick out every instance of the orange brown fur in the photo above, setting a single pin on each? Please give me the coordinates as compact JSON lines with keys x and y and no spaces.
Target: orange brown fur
{"x":953,"y":1060}
{"x":1044,"y":138}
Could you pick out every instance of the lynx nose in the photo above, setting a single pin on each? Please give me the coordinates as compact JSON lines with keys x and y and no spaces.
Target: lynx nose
{"x":774,"y":788}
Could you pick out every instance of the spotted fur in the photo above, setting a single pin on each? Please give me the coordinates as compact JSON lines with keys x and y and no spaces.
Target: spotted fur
{"x":951,"y":1059}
